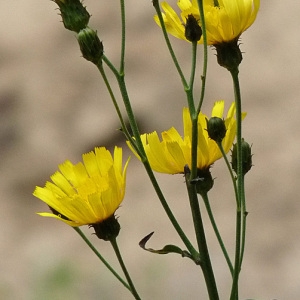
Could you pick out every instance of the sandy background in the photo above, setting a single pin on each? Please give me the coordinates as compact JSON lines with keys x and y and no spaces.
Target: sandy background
{"x":53,"y":106}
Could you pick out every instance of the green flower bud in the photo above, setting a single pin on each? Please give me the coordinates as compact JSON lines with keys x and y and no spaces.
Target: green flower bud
{"x":74,"y":15}
{"x":193,"y":31}
{"x":246,"y":157}
{"x":108,"y":229}
{"x":216,"y":129}
{"x":229,"y":54}
{"x":90,"y":45}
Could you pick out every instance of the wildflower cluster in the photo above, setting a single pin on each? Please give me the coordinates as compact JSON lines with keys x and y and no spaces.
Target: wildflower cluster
{"x":90,"y":192}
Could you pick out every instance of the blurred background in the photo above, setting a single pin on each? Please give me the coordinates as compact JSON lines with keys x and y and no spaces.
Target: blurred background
{"x":54,"y":106}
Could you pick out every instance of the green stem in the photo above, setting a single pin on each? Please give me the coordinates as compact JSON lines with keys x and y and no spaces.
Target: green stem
{"x":240,"y":214}
{"x":169,"y":213}
{"x":205,"y":262}
{"x":78,"y":230}
{"x":189,"y":90}
{"x":194,"y":114}
{"x":244,"y":217}
{"x":113,"y":98}
{"x":194,"y":149}
{"x":123,"y":36}
{"x":233,"y":179}
{"x":121,"y":262}
{"x":172,"y":53}
{"x":192,"y":76}
{"x":205,"y":57}
{"x":237,"y":266}
{"x":238,"y":106}
{"x":216,"y":230}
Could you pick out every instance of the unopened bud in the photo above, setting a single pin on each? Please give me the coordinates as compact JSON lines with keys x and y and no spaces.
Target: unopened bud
{"x":74,"y":15}
{"x":246,"y":157}
{"x":193,"y":31}
{"x":216,"y":129}
{"x":90,"y":45}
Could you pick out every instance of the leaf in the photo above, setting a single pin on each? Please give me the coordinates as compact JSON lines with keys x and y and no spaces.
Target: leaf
{"x":165,"y":250}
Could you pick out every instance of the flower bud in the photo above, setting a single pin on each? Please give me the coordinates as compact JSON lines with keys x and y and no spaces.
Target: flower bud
{"x":90,"y":45}
{"x":216,"y":129}
{"x":246,"y":157}
{"x":193,"y":31}
{"x":74,"y":15}
{"x":108,"y":229}
{"x":229,"y":54}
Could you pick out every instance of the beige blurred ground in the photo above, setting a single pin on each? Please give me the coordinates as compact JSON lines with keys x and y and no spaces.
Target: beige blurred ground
{"x":53,"y":106}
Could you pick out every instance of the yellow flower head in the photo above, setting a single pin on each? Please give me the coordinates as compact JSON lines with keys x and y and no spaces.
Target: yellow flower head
{"x":173,"y":153}
{"x":225,"y":20}
{"x":88,"y":192}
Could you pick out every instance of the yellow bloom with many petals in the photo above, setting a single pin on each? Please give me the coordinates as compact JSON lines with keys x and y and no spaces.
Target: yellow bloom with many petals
{"x":225,"y":20}
{"x":171,"y":154}
{"x":88,"y":192}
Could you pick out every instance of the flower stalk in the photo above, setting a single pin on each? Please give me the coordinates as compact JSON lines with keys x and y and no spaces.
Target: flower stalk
{"x":205,"y":262}
{"x":125,"y":271}
{"x":169,"y":45}
{"x":240,"y":210}
{"x":216,"y":230}
{"x":205,"y":56}
{"x":87,"y":241}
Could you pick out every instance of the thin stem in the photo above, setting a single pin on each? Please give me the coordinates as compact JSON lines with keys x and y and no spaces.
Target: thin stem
{"x":241,"y":214}
{"x":194,"y":149}
{"x":237,"y":265}
{"x":193,"y":70}
{"x":205,"y":262}
{"x":189,"y":90}
{"x":110,"y":65}
{"x":168,"y":211}
{"x":205,"y":56}
{"x":233,"y":179}
{"x":113,"y":98}
{"x":137,"y":144}
{"x":216,"y":230}
{"x":244,"y":217}
{"x":121,"y":262}
{"x":123,"y":36}
{"x":78,"y":230}
{"x":238,"y":106}
{"x":166,"y":37}
{"x":193,"y":115}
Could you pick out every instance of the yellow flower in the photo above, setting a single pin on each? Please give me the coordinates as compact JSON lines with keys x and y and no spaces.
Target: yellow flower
{"x":225,"y":20}
{"x":173,"y":153}
{"x":88,"y":192}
